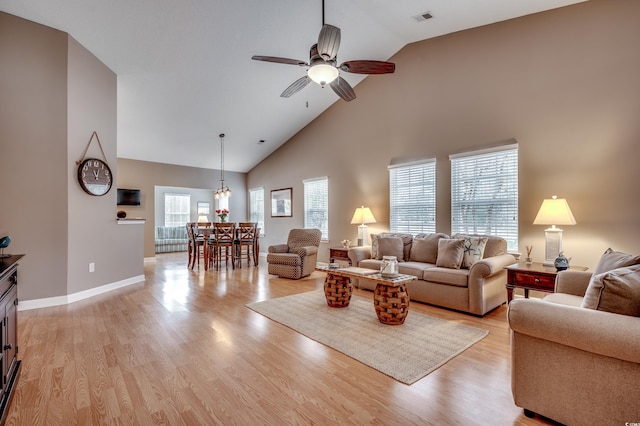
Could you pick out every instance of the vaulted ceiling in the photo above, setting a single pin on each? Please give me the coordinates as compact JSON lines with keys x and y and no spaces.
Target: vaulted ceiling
{"x":185,"y":72}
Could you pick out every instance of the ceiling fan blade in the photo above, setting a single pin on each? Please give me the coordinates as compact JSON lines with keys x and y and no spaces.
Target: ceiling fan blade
{"x":368,"y":67}
{"x":343,"y":89}
{"x":296,"y":86}
{"x":328,"y":42}
{"x":279,"y":60}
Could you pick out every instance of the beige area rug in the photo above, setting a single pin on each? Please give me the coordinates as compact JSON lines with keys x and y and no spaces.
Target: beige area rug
{"x":405,"y":352}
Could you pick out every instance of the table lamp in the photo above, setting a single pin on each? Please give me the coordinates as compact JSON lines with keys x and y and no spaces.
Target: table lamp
{"x":362,"y":216}
{"x":553,"y":211}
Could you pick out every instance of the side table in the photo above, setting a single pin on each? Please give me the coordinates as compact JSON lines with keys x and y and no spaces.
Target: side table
{"x":339,"y":253}
{"x":534,"y":276}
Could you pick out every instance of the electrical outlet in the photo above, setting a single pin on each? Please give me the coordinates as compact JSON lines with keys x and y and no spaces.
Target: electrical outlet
{"x":92,"y":267}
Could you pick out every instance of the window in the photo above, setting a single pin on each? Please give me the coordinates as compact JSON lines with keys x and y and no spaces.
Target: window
{"x":177,"y":209}
{"x":412,"y":197}
{"x":316,"y":205}
{"x":256,"y":207}
{"x":204,"y":207}
{"x":223,"y":203}
{"x":484,"y":193}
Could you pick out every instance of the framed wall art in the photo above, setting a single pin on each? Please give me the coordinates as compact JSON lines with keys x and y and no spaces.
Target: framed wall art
{"x":281,"y":202}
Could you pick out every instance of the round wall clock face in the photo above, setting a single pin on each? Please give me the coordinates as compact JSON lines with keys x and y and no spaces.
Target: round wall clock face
{"x":94,"y":176}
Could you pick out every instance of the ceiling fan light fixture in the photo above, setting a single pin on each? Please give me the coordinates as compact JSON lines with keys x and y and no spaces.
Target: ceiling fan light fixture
{"x":322,"y":73}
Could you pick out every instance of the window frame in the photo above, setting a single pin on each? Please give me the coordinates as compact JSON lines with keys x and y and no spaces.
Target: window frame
{"x":186,"y":203}
{"x":412,"y":194}
{"x":307,"y":184}
{"x":254,"y":214}
{"x":484,"y":188}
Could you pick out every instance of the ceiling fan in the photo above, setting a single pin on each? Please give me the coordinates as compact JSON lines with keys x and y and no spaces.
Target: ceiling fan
{"x":322,"y":65}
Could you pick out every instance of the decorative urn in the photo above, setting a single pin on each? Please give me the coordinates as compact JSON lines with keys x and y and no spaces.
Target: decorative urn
{"x":561,"y":263}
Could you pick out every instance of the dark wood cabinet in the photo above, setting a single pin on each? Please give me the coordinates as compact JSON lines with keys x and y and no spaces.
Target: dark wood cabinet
{"x":8,"y":331}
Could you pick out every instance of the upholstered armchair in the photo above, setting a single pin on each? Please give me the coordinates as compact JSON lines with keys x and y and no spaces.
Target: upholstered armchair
{"x":574,"y":364}
{"x":297,"y":258}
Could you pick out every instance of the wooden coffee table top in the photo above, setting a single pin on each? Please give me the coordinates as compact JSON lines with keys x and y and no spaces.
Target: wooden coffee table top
{"x":366,"y":274}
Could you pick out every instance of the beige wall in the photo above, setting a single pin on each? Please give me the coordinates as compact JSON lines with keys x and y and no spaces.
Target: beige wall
{"x":53,"y":95}
{"x":33,"y":159}
{"x":563,"y":83}
{"x":145,"y":175}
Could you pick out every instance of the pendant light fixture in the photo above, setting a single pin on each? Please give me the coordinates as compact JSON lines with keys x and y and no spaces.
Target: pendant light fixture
{"x":224,"y":190}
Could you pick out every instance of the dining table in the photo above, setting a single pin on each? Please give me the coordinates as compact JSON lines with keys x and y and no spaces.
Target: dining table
{"x":206,"y":233}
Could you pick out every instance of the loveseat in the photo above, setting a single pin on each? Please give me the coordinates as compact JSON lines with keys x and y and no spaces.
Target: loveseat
{"x":465,"y":273}
{"x":575,"y":354}
{"x":171,"y":238}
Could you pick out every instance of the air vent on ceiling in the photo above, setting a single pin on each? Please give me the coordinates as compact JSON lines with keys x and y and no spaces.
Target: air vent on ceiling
{"x":423,"y":16}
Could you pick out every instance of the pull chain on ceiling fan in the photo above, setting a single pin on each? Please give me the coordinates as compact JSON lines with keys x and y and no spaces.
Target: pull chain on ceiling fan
{"x":322,"y":65}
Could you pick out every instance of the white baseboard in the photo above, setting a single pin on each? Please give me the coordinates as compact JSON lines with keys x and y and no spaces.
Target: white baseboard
{"x":24,"y":305}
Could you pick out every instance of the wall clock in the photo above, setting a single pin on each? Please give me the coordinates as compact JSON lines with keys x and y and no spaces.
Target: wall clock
{"x":94,"y":176}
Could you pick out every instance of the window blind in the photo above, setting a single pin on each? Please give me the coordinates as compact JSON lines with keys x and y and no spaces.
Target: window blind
{"x":412,"y":197}
{"x":256,"y":207}
{"x":177,"y":209}
{"x":316,"y":205}
{"x":484,"y":193}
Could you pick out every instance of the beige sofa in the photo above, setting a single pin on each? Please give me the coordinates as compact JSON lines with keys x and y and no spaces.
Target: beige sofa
{"x":477,"y":289}
{"x":575,"y":365}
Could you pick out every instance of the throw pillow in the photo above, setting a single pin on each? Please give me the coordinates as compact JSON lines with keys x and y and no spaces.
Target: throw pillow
{"x":473,"y":249}
{"x":425,"y":249}
{"x":406,"y":241}
{"x":616,"y":291}
{"x":390,"y":246}
{"x":450,"y":253}
{"x":614,"y":259}
{"x":374,"y":246}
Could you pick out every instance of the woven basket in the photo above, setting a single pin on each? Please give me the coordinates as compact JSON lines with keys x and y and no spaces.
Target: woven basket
{"x":338,"y":290}
{"x":391,"y":303}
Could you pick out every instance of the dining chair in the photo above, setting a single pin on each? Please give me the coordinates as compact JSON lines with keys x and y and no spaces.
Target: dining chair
{"x":212,"y":252}
{"x":190,"y":244}
{"x":196,"y":246}
{"x":224,"y":235}
{"x":247,"y":236}
{"x":206,"y":235}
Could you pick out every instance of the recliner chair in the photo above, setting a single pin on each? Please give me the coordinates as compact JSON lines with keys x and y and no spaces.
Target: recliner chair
{"x":297,"y":258}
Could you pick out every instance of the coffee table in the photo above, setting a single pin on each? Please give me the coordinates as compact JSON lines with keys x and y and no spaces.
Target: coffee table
{"x":390,"y":298}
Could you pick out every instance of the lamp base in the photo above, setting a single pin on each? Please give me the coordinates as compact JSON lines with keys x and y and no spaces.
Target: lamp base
{"x":552,"y":246}
{"x":363,"y":235}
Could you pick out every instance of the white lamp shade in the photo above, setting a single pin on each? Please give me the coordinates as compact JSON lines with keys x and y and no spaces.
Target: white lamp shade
{"x":554,"y":211}
{"x":323,"y":73}
{"x":363,"y":215}
{"x":203,"y":218}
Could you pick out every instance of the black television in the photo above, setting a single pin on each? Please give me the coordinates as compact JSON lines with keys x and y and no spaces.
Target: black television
{"x":128,"y":197}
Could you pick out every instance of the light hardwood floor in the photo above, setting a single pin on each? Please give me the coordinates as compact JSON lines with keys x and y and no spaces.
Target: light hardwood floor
{"x":182,"y":349}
